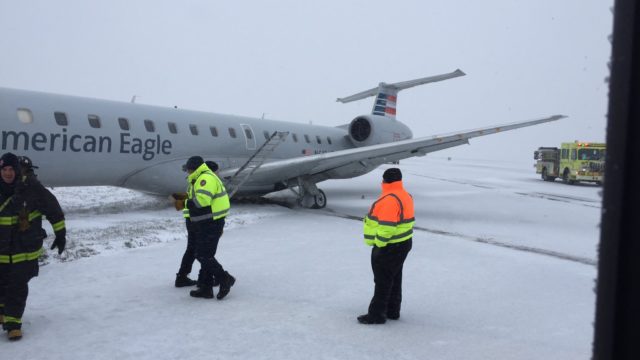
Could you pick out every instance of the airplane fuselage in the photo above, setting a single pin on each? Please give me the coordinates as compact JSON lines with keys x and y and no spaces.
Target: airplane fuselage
{"x":79,"y":141}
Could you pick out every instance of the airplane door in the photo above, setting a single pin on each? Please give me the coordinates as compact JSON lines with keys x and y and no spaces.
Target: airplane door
{"x":249,"y":136}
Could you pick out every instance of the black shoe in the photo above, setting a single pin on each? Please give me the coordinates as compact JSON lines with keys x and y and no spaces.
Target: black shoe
{"x":183,"y":280}
{"x":202,"y":292}
{"x":225,"y":286}
{"x":371,"y":319}
{"x":393,"y":315}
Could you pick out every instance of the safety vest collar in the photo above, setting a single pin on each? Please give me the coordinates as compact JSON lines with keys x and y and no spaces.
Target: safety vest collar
{"x":391,"y":187}
{"x":199,"y":171}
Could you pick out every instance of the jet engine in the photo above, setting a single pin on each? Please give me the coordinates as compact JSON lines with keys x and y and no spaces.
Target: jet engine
{"x":368,"y":130}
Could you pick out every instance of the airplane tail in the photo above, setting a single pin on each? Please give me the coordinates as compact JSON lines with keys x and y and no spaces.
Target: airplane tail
{"x":387,"y":94}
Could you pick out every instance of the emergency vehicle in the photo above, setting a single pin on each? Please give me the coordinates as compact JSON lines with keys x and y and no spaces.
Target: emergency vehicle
{"x":572,"y":162}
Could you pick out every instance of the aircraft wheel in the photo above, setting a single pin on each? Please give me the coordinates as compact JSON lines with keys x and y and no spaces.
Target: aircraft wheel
{"x":320,"y":200}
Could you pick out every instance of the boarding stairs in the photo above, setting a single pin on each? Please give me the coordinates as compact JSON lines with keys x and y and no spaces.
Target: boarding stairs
{"x":235,"y":181}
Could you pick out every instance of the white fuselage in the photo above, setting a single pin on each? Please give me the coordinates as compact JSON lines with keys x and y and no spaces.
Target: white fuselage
{"x":94,"y":147}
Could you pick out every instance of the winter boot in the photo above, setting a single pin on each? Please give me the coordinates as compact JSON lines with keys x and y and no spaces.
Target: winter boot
{"x":225,"y":286}
{"x":15,"y":334}
{"x":369,"y":319}
{"x":392,"y":315}
{"x":202,"y":292}
{"x":183,"y":280}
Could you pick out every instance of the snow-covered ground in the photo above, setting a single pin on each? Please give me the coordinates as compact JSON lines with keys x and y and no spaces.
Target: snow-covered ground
{"x":502,"y":267}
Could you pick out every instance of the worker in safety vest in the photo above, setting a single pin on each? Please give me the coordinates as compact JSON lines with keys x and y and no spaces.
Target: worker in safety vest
{"x":189,"y":256}
{"x":388,"y":227}
{"x":208,"y":205}
{"x":23,"y":203}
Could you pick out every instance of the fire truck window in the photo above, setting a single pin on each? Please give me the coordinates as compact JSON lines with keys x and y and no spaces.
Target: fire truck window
{"x":574,"y":156}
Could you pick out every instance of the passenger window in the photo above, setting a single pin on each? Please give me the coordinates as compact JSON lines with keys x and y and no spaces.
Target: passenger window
{"x":214,"y":131}
{"x":295,"y":137}
{"x":306,"y":138}
{"x":194,"y":129}
{"x":124,"y":124}
{"x":232,"y":132}
{"x":61,"y":118}
{"x":266,"y":134}
{"x":148,"y":124}
{"x":318,"y":139}
{"x":173,"y":128}
{"x":94,"y":121}
{"x":329,"y":140}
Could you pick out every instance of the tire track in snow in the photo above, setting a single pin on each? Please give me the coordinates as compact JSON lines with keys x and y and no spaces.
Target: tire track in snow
{"x":488,"y":241}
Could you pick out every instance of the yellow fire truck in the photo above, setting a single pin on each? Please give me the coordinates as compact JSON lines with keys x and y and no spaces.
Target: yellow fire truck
{"x":573,"y":162}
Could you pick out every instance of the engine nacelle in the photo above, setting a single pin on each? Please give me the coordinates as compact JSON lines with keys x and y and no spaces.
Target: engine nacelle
{"x":368,"y":130}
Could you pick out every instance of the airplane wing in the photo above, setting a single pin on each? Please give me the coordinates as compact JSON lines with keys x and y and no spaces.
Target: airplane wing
{"x":352,"y":162}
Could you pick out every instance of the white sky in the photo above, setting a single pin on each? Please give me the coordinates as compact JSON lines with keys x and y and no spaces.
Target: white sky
{"x":292,"y":59}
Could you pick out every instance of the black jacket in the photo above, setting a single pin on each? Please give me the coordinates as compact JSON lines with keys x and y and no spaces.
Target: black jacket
{"x":22,"y":205}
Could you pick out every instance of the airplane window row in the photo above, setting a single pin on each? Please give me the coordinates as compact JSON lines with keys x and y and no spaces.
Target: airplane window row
{"x":295,"y":138}
{"x":25,"y":116}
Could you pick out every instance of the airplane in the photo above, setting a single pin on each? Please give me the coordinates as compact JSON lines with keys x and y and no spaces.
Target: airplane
{"x":79,"y":141}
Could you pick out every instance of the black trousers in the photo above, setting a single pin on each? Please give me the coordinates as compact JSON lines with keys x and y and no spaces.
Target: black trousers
{"x":190,"y":252}
{"x":14,"y":290}
{"x":387,"y":263}
{"x":207,"y":236}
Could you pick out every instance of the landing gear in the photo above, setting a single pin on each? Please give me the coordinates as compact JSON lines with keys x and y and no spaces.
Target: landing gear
{"x":309,"y":195}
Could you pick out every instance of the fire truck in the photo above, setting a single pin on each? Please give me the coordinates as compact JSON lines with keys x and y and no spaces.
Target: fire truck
{"x":572,"y":162}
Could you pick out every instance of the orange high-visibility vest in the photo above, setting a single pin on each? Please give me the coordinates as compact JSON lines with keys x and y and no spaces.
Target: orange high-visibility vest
{"x":390,"y":219}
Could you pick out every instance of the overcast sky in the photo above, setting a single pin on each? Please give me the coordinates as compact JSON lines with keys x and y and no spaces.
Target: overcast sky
{"x":291,"y":59}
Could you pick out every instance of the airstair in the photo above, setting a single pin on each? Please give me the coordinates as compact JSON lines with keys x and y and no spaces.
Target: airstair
{"x":234,"y":182}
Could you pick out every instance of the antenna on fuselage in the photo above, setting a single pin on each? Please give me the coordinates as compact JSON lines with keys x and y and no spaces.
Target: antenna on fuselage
{"x":133,"y":99}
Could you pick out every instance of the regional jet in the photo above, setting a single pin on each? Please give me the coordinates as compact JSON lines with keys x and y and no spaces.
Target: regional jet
{"x":79,"y":141}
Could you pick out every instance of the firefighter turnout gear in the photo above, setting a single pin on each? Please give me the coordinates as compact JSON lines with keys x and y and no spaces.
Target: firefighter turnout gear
{"x":23,"y":203}
{"x":388,"y":227}
{"x":208,"y":205}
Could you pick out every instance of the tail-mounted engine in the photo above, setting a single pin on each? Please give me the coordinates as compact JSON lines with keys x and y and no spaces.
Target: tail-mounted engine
{"x":368,"y":130}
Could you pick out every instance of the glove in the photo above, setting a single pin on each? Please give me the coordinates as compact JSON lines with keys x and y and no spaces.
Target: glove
{"x":178,"y":204}
{"x":59,"y":242}
{"x":179,"y":196}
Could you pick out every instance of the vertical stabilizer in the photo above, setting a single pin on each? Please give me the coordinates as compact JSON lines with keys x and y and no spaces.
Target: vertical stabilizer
{"x":387,"y":94}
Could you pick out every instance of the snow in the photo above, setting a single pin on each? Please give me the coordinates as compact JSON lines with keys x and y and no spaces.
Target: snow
{"x":502,"y":267}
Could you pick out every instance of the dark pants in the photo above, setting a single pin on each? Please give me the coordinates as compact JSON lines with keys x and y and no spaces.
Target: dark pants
{"x":14,"y":289}
{"x":387,"y":263}
{"x":207,"y":235}
{"x":190,"y":252}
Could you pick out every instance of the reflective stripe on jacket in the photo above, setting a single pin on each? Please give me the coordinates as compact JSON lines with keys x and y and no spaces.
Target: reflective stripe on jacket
{"x":390,"y":219}
{"x":208,"y":196}
{"x":21,"y":216}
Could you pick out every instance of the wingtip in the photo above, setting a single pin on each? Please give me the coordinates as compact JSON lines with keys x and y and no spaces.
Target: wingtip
{"x":558,"y":117}
{"x":460,"y":72}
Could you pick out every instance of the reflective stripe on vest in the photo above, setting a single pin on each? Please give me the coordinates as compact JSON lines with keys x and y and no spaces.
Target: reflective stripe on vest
{"x":16,"y":258}
{"x":380,"y":232}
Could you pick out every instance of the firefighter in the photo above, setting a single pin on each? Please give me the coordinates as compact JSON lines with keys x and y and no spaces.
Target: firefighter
{"x":208,"y":205}
{"x":189,"y":256}
{"x":23,"y":203}
{"x":388,"y":227}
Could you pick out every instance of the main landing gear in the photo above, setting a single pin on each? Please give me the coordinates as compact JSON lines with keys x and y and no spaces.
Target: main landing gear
{"x":309,"y":196}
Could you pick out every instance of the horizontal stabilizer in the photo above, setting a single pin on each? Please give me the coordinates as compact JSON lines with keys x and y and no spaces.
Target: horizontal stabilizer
{"x":400,"y":85}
